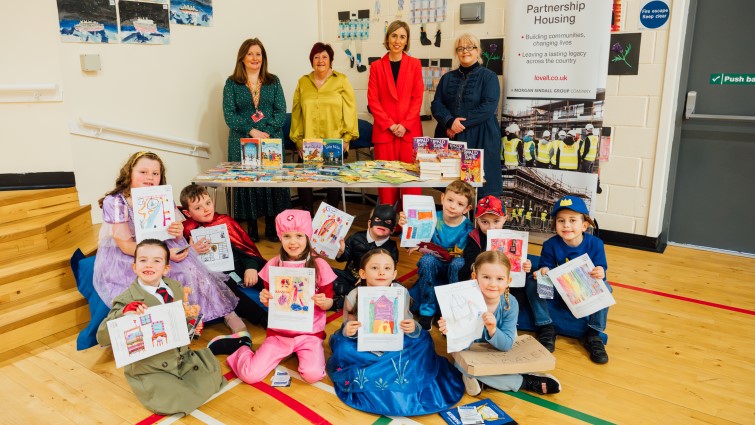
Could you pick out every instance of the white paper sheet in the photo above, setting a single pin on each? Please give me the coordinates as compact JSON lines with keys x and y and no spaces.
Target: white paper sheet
{"x":159,"y":329}
{"x":420,"y":220}
{"x":291,"y":307}
{"x":462,"y":306}
{"x":583,"y":294}
{"x":380,"y":309}
{"x":154,"y":211}
{"x":514,"y":244}
{"x":220,"y":256}
{"x":329,"y":227}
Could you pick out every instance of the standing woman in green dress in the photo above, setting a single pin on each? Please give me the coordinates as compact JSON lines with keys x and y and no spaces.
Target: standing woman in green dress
{"x":254,"y":106}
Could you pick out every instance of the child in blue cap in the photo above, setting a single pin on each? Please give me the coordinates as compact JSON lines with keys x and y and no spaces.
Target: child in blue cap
{"x":571,"y":218}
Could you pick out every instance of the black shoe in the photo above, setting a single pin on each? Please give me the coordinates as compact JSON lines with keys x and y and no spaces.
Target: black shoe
{"x":437,"y":38}
{"x":228,"y":344}
{"x":546,"y":335}
{"x":426,"y":322}
{"x":351,"y":61}
{"x":541,"y":383}
{"x":252,"y":231}
{"x":597,"y":350}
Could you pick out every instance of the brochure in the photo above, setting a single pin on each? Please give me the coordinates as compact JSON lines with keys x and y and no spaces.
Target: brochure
{"x":490,"y":412}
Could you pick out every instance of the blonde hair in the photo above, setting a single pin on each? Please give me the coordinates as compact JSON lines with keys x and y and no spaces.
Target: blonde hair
{"x":466,"y":38}
{"x":392,"y":28}
{"x":497,"y":258}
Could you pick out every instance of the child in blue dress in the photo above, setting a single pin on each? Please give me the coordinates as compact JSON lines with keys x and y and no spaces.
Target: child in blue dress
{"x":413,"y":381}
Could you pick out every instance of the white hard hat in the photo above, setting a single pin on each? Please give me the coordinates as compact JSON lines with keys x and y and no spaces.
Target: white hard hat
{"x":513,"y":128}
{"x":546,"y":133}
{"x":589,"y":127}
{"x":572,"y":133}
{"x":561,"y":133}
{"x":530,"y":133}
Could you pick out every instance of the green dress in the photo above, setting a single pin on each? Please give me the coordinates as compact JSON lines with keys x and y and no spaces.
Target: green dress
{"x":238,"y":108}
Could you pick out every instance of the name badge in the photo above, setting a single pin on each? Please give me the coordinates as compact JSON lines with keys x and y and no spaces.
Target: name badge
{"x":257,"y":116}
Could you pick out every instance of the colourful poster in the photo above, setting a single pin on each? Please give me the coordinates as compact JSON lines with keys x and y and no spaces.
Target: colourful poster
{"x":291,"y":307}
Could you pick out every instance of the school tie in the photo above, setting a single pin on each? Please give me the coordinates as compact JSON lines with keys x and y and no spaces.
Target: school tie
{"x":163,"y":292}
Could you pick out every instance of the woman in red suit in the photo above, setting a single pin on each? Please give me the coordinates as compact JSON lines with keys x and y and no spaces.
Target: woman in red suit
{"x":394,"y":96}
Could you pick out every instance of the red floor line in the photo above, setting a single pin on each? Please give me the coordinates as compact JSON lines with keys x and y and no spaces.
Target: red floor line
{"x":334,"y":316}
{"x":682,"y":298}
{"x":407,"y":276}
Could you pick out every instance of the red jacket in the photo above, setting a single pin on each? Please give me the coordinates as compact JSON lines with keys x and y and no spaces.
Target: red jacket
{"x":395,"y":103}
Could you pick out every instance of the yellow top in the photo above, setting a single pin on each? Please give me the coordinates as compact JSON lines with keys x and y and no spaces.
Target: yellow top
{"x":329,"y":112}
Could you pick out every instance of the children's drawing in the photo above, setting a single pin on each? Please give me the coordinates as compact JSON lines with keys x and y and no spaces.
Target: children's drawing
{"x":582,"y":293}
{"x":220,"y":256}
{"x":380,"y":309}
{"x":191,"y":12}
{"x":93,"y":21}
{"x":354,"y":26}
{"x":420,"y":220}
{"x":422,"y":11}
{"x":159,"y":335}
{"x":461,"y":305}
{"x":143,"y":22}
{"x":291,"y":306}
{"x":514,"y":245}
{"x":330,"y":226}
{"x":154,"y":211}
{"x":134,"y":340}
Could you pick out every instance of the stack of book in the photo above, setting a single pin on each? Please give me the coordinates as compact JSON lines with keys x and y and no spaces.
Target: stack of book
{"x":429,"y":153}
{"x":430,"y":170}
{"x":451,"y":164}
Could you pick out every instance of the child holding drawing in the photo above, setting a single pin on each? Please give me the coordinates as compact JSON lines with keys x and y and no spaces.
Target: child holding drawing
{"x":174,"y":381}
{"x":492,"y":271}
{"x":424,"y":382}
{"x":294,"y":228}
{"x":117,"y":243}
{"x":572,"y":219}
{"x":450,"y":233}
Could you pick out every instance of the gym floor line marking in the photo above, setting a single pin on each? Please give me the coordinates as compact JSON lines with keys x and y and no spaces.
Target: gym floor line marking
{"x":683,"y":298}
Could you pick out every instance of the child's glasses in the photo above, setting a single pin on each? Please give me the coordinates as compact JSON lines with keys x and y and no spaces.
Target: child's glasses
{"x":461,"y":49}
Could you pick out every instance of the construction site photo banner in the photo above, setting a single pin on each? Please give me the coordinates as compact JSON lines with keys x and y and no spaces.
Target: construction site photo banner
{"x":555,"y":50}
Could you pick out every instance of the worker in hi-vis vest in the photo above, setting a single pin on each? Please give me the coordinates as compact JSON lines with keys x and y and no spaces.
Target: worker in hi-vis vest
{"x":528,"y":217}
{"x":544,"y":151}
{"x":520,"y":213}
{"x":589,"y":150}
{"x":543,"y":219}
{"x":529,"y":149}
{"x":514,"y":217}
{"x":512,"y":147}
{"x":566,"y":153}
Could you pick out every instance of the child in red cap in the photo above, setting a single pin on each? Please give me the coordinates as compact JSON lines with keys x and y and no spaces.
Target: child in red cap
{"x":294,"y":228}
{"x":490,"y":214}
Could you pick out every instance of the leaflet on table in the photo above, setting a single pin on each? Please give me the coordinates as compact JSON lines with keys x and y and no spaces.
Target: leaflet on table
{"x":380,"y":310}
{"x":420,"y":220}
{"x":154,"y":211}
{"x":220,"y":256}
{"x":584,"y":295}
{"x":514,"y":244}
{"x":271,"y":153}
{"x":250,"y":152}
{"x":291,"y":306}
{"x":159,"y":329}
{"x":329,"y":228}
{"x":461,"y":305}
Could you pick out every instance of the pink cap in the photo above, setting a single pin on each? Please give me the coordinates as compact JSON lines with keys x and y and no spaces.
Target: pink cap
{"x":293,"y":221}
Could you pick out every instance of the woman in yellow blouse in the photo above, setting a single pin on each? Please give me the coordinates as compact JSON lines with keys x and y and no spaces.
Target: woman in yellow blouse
{"x":324,"y":108}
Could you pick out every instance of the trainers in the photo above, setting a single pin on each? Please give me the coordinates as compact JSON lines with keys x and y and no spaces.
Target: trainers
{"x":228,"y":344}
{"x":546,"y":335}
{"x":541,"y":383}
{"x":471,"y":385}
{"x":597,"y":350}
{"x":426,"y":322}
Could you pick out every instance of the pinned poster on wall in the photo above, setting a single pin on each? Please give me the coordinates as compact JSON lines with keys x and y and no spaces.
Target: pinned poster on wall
{"x":554,"y":50}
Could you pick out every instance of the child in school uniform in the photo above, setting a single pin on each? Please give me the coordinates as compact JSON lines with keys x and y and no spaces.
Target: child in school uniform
{"x":451,"y":233}
{"x":423,"y":383}
{"x":572,"y":218}
{"x":378,"y":235}
{"x":492,"y":272}
{"x":199,"y":210}
{"x":294,"y":228}
{"x":174,"y":381}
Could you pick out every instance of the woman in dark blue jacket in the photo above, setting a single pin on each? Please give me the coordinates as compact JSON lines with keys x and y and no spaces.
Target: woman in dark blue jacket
{"x":465,"y":106}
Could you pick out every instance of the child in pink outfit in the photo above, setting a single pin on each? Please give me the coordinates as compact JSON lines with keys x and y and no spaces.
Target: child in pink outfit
{"x":294,"y":228}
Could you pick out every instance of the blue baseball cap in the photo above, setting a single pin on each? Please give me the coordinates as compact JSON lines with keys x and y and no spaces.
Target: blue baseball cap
{"x":572,"y":203}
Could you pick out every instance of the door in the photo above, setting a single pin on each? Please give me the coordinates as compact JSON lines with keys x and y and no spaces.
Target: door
{"x":714,"y":189}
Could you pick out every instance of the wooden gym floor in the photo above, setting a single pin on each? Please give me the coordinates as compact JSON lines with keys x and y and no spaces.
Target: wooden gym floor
{"x":681,"y":351}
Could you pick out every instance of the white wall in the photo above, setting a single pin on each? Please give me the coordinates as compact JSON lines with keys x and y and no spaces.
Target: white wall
{"x":174,"y":89}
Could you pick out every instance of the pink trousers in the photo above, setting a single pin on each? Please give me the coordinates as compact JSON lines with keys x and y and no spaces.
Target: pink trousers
{"x":253,"y":367}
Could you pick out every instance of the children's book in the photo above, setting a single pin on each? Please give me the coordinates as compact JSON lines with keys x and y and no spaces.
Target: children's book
{"x":439,"y":148}
{"x":312,"y":150}
{"x":422,"y":150}
{"x":583,"y":294}
{"x":490,"y":412}
{"x":250,"y":152}
{"x":154,"y":211}
{"x":420,"y":220}
{"x":271,"y":153}
{"x":159,"y":329}
{"x":527,"y":355}
{"x":461,"y":305}
{"x":329,"y":227}
{"x":471,"y":165}
{"x":514,"y":245}
{"x":380,"y":310}
{"x":436,"y":250}
{"x":291,"y":307}
{"x":455,"y":148}
{"x":332,"y":152}
{"x":220,"y":256}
